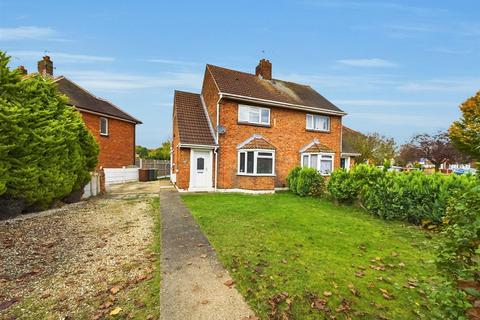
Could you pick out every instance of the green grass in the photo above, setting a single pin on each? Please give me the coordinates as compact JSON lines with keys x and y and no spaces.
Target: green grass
{"x":304,"y":247}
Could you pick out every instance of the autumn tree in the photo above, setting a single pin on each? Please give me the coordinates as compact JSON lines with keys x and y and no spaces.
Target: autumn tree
{"x":436,"y":148}
{"x":465,"y":133}
{"x":373,"y":147}
{"x":408,"y":153}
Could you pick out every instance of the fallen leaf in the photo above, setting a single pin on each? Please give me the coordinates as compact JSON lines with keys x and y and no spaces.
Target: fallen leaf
{"x":401,"y":264}
{"x":353,"y":290}
{"x":114,"y":290}
{"x":229,"y":283}
{"x":115,"y":311}
{"x":360,"y":274}
{"x":7,"y":304}
{"x":327,"y":293}
{"x":319,"y":304}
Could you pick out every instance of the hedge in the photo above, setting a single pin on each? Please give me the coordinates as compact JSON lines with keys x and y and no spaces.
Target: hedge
{"x":409,"y":196}
{"x":306,"y":182}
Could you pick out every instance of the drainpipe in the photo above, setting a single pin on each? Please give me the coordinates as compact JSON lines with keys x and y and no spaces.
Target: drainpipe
{"x":217,"y":138}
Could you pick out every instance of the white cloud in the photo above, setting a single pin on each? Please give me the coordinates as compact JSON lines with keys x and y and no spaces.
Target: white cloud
{"x":442,"y":85}
{"x":111,"y":81}
{"x":449,"y":50}
{"x":172,"y":62}
{"x":391,"y":103}
{"x":60,"y":56}
{"x":368,"y":63}
{"x":403,"y":120}
{"x":30,"y":33}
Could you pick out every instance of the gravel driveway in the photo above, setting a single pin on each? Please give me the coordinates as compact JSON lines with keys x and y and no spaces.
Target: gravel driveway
{"x":71,"y":264}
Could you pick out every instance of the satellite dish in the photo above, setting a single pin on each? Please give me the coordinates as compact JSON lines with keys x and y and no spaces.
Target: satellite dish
{"x":221,"y":129}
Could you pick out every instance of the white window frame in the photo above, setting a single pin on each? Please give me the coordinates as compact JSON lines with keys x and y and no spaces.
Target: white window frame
{"x":312,"y":127}
{"x":106,"y":126}
{"x":255,"y":157}
{"x":320,"y":156}
{"x":250,"y":109}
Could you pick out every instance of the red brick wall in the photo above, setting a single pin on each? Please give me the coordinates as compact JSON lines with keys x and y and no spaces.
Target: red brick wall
{"x":287,"y":133}
{"x":180,"y":159}
{"x":118,"y":148}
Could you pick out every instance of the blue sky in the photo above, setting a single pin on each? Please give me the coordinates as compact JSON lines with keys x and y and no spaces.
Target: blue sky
{"x":397,"y":67}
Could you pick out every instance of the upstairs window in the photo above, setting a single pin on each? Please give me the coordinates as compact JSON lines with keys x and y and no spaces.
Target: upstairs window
{"x":254,"y":115}
{"x":318,"y":123}
{"x":104,"y":126}
{"x":256,"y":162}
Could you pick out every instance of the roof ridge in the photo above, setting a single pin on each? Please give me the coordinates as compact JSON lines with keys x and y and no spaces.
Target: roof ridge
{"x":253,"y":75}
{"x":62,"y":77}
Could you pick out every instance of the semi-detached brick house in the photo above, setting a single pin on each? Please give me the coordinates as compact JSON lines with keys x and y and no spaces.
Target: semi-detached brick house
{"x":113,"y":128}
{"x":245,"y":132}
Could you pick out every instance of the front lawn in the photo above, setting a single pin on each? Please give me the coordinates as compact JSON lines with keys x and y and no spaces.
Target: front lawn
{"x":306,"y":258}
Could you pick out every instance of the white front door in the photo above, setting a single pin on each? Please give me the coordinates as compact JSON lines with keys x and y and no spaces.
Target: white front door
{"x":201,"y":169}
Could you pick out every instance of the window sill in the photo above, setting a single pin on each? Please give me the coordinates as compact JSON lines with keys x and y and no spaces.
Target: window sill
{"x":104,"y":135}
{"x":255,"y":175}
{"x":254,"y":124}
{"x":321,"y":131}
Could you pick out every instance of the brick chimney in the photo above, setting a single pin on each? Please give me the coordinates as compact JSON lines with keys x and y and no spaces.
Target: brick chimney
{"x":264,"y":69}
{"x":22,"y":70}
{"x":45,"y":66}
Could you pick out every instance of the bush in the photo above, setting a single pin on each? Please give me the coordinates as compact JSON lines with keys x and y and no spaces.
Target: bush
{"x":309,"y":182}
{"x":292,"y":179}
{"x":46,"y":150}
{"x":341,"y":186}
{"x":459,"y":256}
{"x":408,"y":196}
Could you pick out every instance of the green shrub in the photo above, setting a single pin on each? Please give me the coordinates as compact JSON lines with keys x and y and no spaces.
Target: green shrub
{"x":46,"y":150}
{"x":292,"y":179}
{"x":407,"y":196}
{"x":458,"y":256}
{"x":341,"y":186}
{"x":310,"y":183}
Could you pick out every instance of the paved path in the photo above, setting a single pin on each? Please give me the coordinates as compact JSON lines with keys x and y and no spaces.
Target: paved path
{"x":193,"y":279}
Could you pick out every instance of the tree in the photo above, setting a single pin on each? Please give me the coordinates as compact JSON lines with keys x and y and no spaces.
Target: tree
{"x":373,"y":147}
{"x":436,"y":148}
{"x":465,"y":133}
{"x":407,"y":153}
{"x":142,"y":152}
{"x":46,"y":150}
{"x":161,"y":153}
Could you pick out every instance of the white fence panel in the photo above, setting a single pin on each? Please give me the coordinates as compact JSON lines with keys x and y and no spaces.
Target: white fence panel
{"x":120,"y":175}
{"x":93,"y":187}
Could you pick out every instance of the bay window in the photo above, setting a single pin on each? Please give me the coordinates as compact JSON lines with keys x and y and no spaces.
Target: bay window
{"x":254,"y":115}
{"x":256,"y":162}
{"x":323,"y":162}
{"x":318,"y":123}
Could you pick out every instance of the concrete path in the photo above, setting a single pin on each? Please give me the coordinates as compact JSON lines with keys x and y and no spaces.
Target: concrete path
{"x":193,"y":280}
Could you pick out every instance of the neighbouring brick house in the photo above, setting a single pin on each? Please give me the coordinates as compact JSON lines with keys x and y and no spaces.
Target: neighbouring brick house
{"x":113,"y":128}
{"x":247,"y":131}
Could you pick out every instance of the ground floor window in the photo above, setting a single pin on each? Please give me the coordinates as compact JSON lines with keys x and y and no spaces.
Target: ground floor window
{"x":256,"y":162}
{"x":323,"y":162}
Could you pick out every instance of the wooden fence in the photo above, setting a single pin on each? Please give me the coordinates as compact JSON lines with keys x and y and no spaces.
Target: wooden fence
{"x":163,"y":166}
